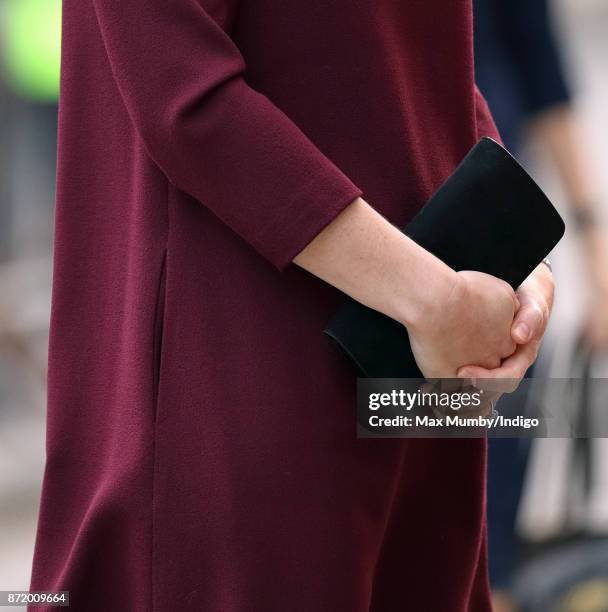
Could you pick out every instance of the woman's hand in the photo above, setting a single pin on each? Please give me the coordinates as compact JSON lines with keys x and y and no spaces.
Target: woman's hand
{"x":470,"y":324}
{"x":453,"y":319}
{"x":535,"y":298}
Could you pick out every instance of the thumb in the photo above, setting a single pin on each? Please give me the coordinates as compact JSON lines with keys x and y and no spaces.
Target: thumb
{"x":527,"y":324}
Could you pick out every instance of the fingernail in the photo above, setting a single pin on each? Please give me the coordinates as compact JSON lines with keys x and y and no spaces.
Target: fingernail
{"x":522,"y":331}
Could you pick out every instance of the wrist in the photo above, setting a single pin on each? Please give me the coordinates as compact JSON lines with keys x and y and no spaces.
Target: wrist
{"x":427,"y":289}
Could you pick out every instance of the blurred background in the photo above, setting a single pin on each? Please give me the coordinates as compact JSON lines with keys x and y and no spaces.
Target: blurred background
{"x":543,"y":67}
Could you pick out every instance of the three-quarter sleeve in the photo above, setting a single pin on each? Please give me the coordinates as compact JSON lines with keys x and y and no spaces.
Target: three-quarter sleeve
{"x":215,"y":137}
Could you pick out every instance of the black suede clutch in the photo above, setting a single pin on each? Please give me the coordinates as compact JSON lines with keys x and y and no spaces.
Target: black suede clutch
{"x":489,"y":216}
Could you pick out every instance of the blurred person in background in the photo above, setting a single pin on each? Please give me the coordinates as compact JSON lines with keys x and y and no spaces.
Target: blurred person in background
{"x":30,"y":57}
{"x":519,"y":70}
{"x":30,"y":62}
{"x":29,"y":85}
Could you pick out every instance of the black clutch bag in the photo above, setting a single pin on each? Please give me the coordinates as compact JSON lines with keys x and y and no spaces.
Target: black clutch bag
{"x":488,"y":216}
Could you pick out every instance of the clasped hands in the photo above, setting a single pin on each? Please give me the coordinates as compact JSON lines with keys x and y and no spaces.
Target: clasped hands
{"x":461,"y":325}
{"x":484,"y":332}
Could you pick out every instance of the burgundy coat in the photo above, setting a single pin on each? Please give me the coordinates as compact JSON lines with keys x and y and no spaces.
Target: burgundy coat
{"x":201,"y":447}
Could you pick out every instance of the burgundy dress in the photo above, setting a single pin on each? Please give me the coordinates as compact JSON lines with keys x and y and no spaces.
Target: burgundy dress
{"x":201,"y":446}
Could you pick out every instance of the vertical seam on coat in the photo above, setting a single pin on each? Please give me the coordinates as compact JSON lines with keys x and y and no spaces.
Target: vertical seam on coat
{"x":155,"y":412}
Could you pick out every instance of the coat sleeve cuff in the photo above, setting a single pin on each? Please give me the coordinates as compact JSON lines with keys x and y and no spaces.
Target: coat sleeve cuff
{"x":309,"y":214}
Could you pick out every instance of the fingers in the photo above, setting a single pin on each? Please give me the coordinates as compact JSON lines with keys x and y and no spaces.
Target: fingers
{"x":488,"y":400}
{"x":507,"y":377}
